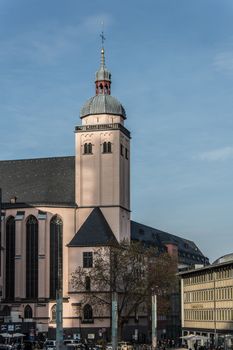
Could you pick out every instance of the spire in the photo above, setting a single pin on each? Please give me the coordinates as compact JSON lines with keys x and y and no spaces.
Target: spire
{"x":102,"y":50}
{"x":103,"y":76}
{"x":102,"y":64}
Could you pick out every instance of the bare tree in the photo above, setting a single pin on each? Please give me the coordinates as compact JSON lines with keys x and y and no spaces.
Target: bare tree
{"x":133,"y":271}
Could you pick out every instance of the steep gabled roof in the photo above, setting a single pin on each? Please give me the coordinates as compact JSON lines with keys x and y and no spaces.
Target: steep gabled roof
{"x":152,"y":236}
{"x":42,"y":180}
{"x":95,"y":231}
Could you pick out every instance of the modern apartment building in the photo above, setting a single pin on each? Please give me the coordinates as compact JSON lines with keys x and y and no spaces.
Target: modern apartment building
{"x":207,"y":301}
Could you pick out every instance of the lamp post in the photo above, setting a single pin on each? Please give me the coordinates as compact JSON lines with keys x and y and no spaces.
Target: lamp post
{"x":1,"y":269}
{"x":154,"y":321}
{"x":114,"y":321}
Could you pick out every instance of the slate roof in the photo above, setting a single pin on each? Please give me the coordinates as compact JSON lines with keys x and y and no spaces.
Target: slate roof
{"x":101,"y":104}
{"x":51,"y":181}
{"x":95,"y":231}
{"x":39,"y":181}
{"x":158,"y":238}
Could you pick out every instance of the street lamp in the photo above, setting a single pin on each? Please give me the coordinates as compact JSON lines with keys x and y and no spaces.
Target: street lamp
{"x":154,"y":321}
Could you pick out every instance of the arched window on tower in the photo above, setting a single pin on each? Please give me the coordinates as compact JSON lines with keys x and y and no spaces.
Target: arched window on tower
{"x":87,"y":148}
{"x":10,"y":259}
{"x":56,"y":256}
{"x":100,"y":89}
{"x":107,"y":147}
{"x":32,"y":258}
{"x":28,"y":312}
{"x":87,"y":313}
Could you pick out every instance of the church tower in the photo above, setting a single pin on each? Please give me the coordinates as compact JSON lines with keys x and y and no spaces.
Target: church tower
{"x":103,"y":158}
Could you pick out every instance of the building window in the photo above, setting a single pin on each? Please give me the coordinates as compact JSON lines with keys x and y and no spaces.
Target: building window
{"x":87,"y":283}
{"x":32,"y":258}
{"x":53,"y":313}
{"x":10,"y":259}
{"x":126,"y":153}
{"x":56,"y":230}
{"x":87,"y":313}
{"x":107,"y":147}
{"x":28,"y":312}
{"x":6,"y":311}
{"x":87,"y":259}
{"x":122,"y":150}
{"x":87,"y":148}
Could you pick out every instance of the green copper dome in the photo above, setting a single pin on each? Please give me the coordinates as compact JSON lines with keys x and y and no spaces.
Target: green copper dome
{"x":102,"y":104}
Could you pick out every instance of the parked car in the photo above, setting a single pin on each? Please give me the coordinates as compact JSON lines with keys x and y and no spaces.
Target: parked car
{"x":49,"y":344}
{"x":73,"y":344}
{"x":123,"y":345}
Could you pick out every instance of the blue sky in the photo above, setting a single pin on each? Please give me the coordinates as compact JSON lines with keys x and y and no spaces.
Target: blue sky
{"x":172,"y":69}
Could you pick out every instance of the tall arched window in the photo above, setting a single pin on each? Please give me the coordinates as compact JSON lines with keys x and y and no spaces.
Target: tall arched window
{"x":56,"y":228}
{"x":32,"y":257}
{"x":53,"y":313}
{"x":10,"y":259}
{"x":28,"y":312}
{"x":87,"y":313}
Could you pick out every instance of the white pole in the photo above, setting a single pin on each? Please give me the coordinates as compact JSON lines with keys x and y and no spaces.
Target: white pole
{"x":114,"y":321}
{"x":154,"y":321}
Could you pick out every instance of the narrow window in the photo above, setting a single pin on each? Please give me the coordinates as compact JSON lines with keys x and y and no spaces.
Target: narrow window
{"x":107,"y":147}
{"x":87,"y":313}
{"x":28,"y":312}
{"x":85,"y":148}
{"x":105,"y":89}
{"x":126,"y":153}
{"x":32,"y":258}
{"x":100,"y":88}
{"x":122,"y":150}
{"x":87,"y":259}
{"x":10,"y":259}
{"x":56,"y":230}
{"x":53,"y":313}
{"x":87,"y":283}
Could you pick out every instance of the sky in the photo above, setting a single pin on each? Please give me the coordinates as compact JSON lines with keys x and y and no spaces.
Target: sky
{"x":172,"y":69}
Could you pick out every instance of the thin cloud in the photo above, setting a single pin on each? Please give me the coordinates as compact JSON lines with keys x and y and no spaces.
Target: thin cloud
{"x":51,"y":41}
{"x":219,"y":154}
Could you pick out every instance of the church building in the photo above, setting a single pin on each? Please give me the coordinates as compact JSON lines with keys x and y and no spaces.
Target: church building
{"x":56,"y":211}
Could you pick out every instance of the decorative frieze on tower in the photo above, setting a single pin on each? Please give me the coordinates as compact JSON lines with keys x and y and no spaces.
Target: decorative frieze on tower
{"x":103,"y":158}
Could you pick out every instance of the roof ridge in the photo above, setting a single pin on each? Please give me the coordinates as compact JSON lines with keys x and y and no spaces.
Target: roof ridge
{"x":30,"y":159}
{"x":184,"y":239}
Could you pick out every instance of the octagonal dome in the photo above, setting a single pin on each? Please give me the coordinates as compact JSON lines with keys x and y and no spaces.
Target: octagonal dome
{"x":102,"y":104}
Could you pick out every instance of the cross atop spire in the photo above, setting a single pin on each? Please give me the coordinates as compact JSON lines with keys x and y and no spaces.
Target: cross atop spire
{"x":102,"y":34}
